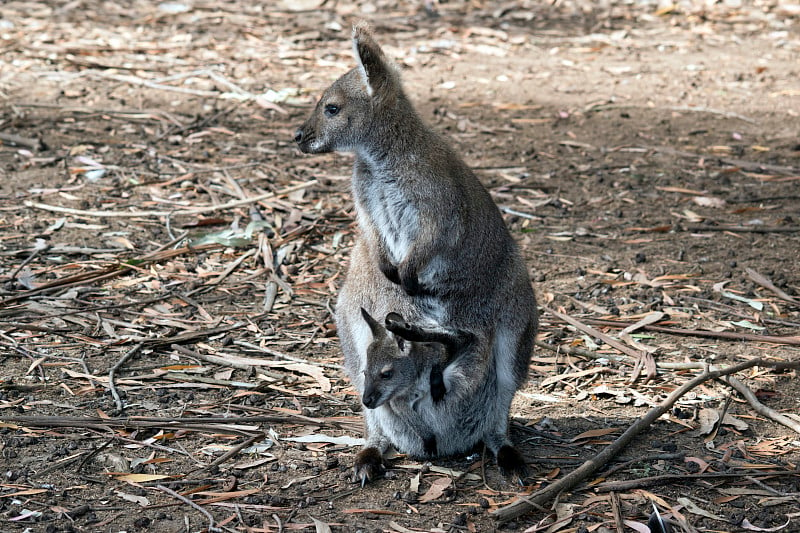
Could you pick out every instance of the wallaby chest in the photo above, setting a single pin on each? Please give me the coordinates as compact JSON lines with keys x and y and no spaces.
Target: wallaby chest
{"x":386,"y":202}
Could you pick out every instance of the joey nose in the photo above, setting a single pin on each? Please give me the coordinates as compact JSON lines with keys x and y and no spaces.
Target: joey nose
{"x":298,"y":135}
{"x":370,"y":400}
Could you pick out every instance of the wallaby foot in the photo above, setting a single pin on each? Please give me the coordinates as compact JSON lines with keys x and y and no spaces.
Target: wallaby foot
{"x":438,"y":389}
{"x":511,"y":462}
{"x":368,"y":465}
{"x":429,"y":445}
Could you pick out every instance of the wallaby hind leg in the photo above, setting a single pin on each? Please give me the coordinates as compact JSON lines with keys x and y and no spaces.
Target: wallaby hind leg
{"x":509,"y":460}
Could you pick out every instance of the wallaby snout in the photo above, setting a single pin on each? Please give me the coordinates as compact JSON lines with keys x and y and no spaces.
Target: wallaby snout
{"x":304,"y":136}
{"x":298,"y":135}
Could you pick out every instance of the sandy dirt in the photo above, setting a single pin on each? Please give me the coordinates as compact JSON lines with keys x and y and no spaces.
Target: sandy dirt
{"x":646,"y":157}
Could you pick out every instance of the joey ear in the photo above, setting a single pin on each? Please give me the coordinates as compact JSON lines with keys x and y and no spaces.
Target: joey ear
{"x":395,"y":321}
{"x":374,"y":327}
{"x":372,"y":64}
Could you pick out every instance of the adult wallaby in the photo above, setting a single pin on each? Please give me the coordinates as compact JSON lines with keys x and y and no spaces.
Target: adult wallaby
{"x":427,"y":223}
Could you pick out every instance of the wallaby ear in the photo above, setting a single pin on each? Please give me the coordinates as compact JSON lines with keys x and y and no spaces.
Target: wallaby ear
{"x":374,"y":327}
{"x":375,"y":70}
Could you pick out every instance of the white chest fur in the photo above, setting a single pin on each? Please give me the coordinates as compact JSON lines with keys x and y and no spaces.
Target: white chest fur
{"x":391,"y":211}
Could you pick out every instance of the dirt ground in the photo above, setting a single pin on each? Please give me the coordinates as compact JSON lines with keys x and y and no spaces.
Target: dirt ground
{"x":169,"y":359}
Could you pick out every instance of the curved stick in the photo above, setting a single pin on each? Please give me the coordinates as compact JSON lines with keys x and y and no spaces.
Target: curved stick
{"x":540,"y":498}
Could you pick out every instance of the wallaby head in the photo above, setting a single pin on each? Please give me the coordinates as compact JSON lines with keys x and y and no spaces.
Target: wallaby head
{"x":390,"y":371}
{"x":344,"y":114}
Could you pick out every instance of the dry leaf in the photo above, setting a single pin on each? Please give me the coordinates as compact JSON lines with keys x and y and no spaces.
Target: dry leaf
{"x":592,"y":433}
{"x":138,"y":478}
{"x":695,"y":509}
{"x":436,"y":489}
{"x":321,"y":527}
{"x":750,"y":527}
{"x":139,"y":500}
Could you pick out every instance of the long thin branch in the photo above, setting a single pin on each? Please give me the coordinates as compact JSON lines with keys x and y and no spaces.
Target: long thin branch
{"x":111,"y":373}
{"x":174,"y":212}
{"x":527,"y":503}
{"x":730,"y":335}
{"x":631,"y":484}
{"x":594,"y":333}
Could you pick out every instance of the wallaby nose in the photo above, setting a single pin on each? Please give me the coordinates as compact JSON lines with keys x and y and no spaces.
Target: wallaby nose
{"x":298,"y":135}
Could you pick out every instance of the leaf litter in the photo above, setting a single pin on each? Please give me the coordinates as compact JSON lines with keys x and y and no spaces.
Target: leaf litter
{"x":169,"y":264}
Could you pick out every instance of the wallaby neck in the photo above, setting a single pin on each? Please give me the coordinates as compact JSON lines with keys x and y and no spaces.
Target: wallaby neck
{"x":398,"y":137}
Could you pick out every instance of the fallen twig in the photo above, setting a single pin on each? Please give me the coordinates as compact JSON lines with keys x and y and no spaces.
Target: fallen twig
{"x":631,"y":484}
{"x":236,"y":449}
{"x":636,"y":354}
{"x":184,"y":499}
{"x":15,"y":140}
{"x":759,"y":407}
{"x":741,"y":163}
{"x":111,"y":386}
{"x":730,"y":335}
{"x":746,"y":229}
{"x":142,"y":422}
{"x":540,"y":498}
{"x":106,"y":273}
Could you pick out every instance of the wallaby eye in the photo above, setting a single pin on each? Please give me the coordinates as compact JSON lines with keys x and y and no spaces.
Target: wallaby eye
{"x":331,"y":110}
{"x":387,"y":374}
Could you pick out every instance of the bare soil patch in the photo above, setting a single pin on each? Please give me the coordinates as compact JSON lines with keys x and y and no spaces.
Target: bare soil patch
{"x":169,"y":260}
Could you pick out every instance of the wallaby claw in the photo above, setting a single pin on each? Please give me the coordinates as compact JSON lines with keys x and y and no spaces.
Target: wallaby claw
{"x":368,"y":465}
{"x":390,"y":271}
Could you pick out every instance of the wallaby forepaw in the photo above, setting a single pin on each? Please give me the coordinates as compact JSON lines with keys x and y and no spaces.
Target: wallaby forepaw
{"x":512,"y":463}
{"x":368,"y":465}
{"x":429,"y":446}
{"x":390,"y":271}
{"x":410,"y":284}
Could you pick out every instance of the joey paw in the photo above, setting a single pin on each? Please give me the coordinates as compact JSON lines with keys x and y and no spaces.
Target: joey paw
{"x":438,"y":389}
{"x":368,"y":465}
{"x":512,"y":463}
{"x":411,"y":285}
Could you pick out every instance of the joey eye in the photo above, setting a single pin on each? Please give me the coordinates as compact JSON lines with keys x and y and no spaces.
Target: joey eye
{"x":331,"y":110}
{"x":387,"y":374}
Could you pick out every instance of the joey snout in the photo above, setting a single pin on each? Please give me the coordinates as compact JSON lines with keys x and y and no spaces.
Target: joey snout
{"x":372,"y":398}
